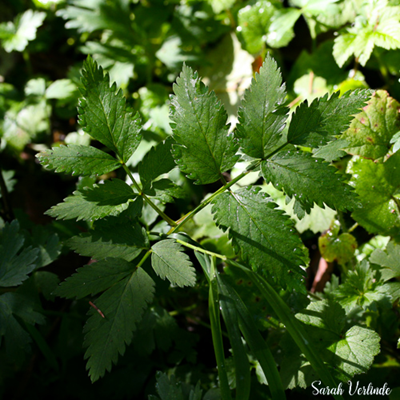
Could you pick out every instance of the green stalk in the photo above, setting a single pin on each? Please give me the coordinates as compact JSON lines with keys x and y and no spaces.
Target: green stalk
{"x":147,"y":200}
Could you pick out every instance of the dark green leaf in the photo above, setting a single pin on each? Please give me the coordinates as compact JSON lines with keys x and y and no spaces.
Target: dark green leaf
{"x":125,"y":241}
{"x":16,"y":262}
{"x":110,"y":198}
{"x":104,"y":115}
{"x":94,"y":278}
{"x":264,"y":236}
{"x":156,"y":162}
{"x":78,"y":160}
{"x":317,"y":124}
{"x":169,"y":261}
{"x":309,"y":180}
{"x":205,"y":149}
{"x":122,"y":306}
{"x":261,"y":120}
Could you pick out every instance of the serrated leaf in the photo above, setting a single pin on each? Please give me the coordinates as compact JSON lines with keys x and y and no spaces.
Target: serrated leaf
{"x":122,"y":306}
{"x":260,"y":121}
{"x":16,"y":262}
{"x":104,"y":115}
{"x":308,"y":179}
{"x":8,"y":180}
{"x":78,"y":160}
{"x":156,"y":162}
{"x":263,"y":235}
{"x":110,"y":198}
{"x":377,"y":184}
{"x":169,"y":261}
{"x":168,"y":388}
{"x":15,"y":36}
{"x":126,"y":241}
{"x":94,"y":278}
{"x":371,"y":131}
{"x":48,"y":244}
{"x":205,"y":149}
{"x":389,"y":260}
{"x":317,"y":124}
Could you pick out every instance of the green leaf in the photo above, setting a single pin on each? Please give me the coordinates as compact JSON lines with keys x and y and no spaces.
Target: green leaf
{"x":78,"y":160}
{"x":377,"y":186}
{"x":261,"y":119}
{"x":122,"y":306}
{"x":103,"y":113}
{"x":125,"y":240}
{"x":95,"y":278}
{"x":156,"y":162}
{"x":281,"y":29}
{"x":371,"y":131}
{"x":359,"y":289}
{"x":265,"y":237}
{"x":15,"y":36}
{"x":110,"y":198}
{"x":337,"y":248}
{"x":389,"y":260}
{"x":205,"y":149}
{"x":317,"y":124}
{"x":253,"y":23}
{"x":168,"y":388}
{"x":169,"y":261}
{"x":16,"y":262}
{"x":308,"y":179}
{"x":8,"y":180}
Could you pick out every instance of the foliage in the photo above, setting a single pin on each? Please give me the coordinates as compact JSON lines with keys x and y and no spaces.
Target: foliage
{"x":209,"y":155}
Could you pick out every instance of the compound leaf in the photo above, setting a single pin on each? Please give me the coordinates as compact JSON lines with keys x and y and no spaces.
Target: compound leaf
{"x":205,"y":149}
{"x":94,"y":278}
{"x":110,"y":198}
{"x":309,"y":180}
{"x":78,"y":160}
{"x":317,"y":124}
{"x":16,"y":262}
{"x":123,"y":306}
{"x":103,"y":113}
{"x":260,"y":120}
{"x":265,"y":237}
{"x":169,"y":261}
{"x":371,"y":131}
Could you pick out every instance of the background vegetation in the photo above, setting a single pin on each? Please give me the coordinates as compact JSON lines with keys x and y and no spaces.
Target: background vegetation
{"x":321,"y":46}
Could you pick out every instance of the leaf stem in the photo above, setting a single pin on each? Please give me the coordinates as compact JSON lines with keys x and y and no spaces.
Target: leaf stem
{"x":204,"y":251}
{"x":147,"y":200}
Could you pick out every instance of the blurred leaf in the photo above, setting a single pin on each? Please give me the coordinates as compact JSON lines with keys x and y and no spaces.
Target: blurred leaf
{"x":337,"y":248}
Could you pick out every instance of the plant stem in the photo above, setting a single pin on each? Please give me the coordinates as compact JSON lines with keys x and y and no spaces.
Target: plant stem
{"x":210,"y":253}
{"x":147,"y":200}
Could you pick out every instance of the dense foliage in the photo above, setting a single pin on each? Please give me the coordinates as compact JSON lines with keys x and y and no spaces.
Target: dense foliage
{"x":199,"y":199}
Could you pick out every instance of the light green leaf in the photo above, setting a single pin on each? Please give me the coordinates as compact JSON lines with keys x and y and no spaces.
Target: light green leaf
{"x":126,"y":241}
{"x":308,"y":179}
{"x":377,"y":185}
{"x":103,"y":113}
{"x":220,"y":5}
{"x":15,"y":36}
{"x":95,"y":278}
{"x":389,"y":260}
{"x":16,"y":262}
{"x":110,"y":198}
{"x":281,"y":29}
{"x":169,"y":261}
{"x":261,"y":119}
{"x":62,"y":89}
{"x":253,"y":23}
{"x":78,"y":160}
{"x":263,"y":235}
{"x":123,"y":306}
{"x":371,"y":131}
{"x":156,"y":162}
{"x":8,"y":180}
{"x":205,"y":149}
{"x":317,"y":124}
{"x":337,"y":248}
